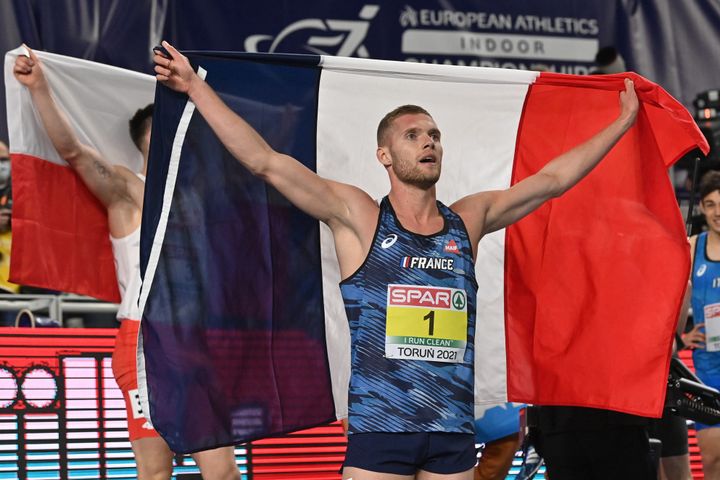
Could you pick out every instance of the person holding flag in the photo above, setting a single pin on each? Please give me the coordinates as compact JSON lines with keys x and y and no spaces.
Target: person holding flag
{"x":410,"y":406}
{"x":120,"y":191}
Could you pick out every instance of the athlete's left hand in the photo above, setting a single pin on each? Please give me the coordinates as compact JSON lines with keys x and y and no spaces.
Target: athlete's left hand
{"x":694,"y":338}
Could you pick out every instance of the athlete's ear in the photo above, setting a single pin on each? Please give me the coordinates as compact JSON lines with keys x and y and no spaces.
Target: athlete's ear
{"x":383,"y":156}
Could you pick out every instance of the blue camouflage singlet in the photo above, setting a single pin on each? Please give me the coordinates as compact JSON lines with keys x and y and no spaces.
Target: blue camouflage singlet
{"x":411,"y":308}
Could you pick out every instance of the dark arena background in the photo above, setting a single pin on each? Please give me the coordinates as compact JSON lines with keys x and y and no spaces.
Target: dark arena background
{"x":62,"y":416}
{"x":61,"y":413}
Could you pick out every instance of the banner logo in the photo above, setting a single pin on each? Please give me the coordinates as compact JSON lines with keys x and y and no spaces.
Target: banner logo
{"x":487,"y":38}
{"x":343,"y":38}
{"x":409,"y":17}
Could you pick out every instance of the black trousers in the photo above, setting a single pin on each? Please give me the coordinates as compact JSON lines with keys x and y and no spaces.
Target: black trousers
{"x":618,"y":452}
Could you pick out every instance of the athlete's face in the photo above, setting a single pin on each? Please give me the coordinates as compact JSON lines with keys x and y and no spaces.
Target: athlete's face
{"x":710,"y":207}
{"x":413,"y":150}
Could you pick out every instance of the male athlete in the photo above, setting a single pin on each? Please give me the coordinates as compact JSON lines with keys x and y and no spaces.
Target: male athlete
{"x":705,"y":336}
{"x":408,"y":417}
{"x":121,"y":192}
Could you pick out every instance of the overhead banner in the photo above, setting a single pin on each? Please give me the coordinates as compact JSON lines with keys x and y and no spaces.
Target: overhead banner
{"x":667,"y":42}
{"x":560,"y":38}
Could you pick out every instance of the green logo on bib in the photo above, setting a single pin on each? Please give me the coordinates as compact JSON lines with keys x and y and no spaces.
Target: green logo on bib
{"x":458,"y":300}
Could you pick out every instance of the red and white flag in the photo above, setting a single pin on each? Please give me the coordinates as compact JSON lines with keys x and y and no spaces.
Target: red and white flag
{"x":60,"y":234}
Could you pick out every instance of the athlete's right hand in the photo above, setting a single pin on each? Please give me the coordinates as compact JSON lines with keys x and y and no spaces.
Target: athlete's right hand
{"x":629,"y":104}
{"x":694,"y":338}
{"x":28,"y":70}
{"x":175,"y":71}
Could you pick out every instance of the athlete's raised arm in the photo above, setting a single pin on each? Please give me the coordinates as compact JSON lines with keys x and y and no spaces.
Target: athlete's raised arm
{"x":110,"y":184}
{"x":331,"y":202}
{"x":350,"y":213}
{"x":486,"y":212}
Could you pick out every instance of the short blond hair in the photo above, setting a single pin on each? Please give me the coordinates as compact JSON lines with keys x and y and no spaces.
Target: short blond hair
{"x":390,"y":117}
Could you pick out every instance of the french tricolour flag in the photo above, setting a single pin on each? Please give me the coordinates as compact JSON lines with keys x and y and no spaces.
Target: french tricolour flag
{"x":244,"y":334}
{"x":60,"y":233}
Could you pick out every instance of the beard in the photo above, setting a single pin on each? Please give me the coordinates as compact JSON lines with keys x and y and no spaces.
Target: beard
{"x":415,"y":176}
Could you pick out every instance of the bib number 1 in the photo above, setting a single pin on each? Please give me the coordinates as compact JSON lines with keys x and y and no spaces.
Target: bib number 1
{"x":426,"y":323}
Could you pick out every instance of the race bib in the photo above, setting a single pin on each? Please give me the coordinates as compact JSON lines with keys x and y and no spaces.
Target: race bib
{"x":426,"y":323}
{"x":712,"y":327}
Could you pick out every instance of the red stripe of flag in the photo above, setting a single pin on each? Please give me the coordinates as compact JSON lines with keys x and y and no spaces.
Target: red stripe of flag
{"x":60,"y":231}
{"x":599,"y":320}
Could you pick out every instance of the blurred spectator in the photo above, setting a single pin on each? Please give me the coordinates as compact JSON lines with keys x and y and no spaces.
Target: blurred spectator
{"x":499,"y":430}
{"x":608,"y":60}
{"x":5,"y":216}
{"x":5,"y":190}
{"x":6,"y":318}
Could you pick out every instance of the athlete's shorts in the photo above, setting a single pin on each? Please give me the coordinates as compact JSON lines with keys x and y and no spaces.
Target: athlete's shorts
{"x":672,"y":431}
{"x":124,"y":367}
{"x":406,"y":453}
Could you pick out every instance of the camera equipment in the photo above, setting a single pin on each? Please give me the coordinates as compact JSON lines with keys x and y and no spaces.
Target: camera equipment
{"x":688,"y":397}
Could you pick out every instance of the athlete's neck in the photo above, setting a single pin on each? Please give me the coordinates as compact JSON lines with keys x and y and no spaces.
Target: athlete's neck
{"x":713,"y":245}
{"x":417,"y":210}
{"x":145,"y":163}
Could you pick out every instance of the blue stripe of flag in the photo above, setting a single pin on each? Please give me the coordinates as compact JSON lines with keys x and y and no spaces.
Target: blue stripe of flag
{"x":233,"y":329}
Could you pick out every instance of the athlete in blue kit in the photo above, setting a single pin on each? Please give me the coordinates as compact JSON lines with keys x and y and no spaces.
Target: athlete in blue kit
{"x":411,"y":400}
{"x":705,"y":337}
